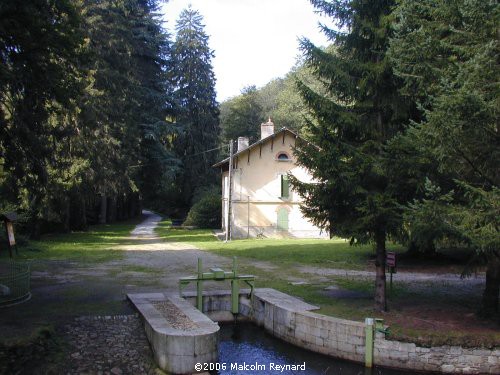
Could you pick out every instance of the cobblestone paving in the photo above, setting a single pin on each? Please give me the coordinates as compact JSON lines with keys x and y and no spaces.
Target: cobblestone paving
{"x":108,"y":345}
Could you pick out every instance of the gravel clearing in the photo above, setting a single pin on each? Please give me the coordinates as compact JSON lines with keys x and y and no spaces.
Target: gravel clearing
{"x":105,"y":345}
{"x":174,"y":316}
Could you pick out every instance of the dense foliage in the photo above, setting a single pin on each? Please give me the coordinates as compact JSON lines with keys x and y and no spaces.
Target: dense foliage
{"x":90,"y":92}
{"x":405,"y":131}
{"x":279,"y":100}
{"x":447,"y":54}
{"x":358,"y":196}
{"x":206,"y":212}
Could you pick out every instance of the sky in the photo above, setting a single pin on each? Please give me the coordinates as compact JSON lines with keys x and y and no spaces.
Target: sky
{"x":254,"y":41}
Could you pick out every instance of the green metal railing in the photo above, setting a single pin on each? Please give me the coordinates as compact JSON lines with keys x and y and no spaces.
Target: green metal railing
{"x":15,"y":279}
{"x":372,"y":326}
{"x":217,"y":274}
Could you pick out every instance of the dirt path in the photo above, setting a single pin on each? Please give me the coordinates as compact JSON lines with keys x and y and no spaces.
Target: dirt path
{"x":152,"y":251}
{"x":405,"y":277}
{"x":168,"y":261}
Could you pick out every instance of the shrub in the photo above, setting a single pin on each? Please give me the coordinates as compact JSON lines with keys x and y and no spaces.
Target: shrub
{"x":207,"y":212}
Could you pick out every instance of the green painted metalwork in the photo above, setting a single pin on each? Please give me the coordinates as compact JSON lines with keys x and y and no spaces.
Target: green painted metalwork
{"x":371,"y":327}
{"x":282,"y":219}
{"x":285,"y":186}
{"x":218,"y":274}
{"x":369,"y":338}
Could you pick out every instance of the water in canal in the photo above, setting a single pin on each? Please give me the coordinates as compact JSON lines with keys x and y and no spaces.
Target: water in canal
{"x":249,"y":345}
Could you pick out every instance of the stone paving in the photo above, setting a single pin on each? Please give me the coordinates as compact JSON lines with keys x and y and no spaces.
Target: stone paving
{"x":107,"y":345}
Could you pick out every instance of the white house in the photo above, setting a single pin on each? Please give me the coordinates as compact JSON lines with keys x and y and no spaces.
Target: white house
{"x":263,"y":202}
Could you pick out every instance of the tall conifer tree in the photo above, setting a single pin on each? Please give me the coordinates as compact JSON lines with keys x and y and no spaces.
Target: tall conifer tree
{"x":197,"y":108}
{"x":40,"y":81}
{"x":129,"y":100}
{"x":447,"y":53}
{"x":362,"y":110}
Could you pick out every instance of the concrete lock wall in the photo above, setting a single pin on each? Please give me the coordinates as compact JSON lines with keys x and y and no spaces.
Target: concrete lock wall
{"x":177,"y":350}
{"x":293,"y":321}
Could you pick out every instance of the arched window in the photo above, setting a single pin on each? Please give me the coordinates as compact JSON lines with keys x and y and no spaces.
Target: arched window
{"x":282,"y":156}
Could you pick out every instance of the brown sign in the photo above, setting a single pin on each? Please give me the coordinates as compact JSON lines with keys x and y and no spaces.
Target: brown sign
{"x":10,"y":233}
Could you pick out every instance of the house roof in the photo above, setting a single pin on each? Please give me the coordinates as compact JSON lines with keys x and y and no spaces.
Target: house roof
{"x":263,"y":140}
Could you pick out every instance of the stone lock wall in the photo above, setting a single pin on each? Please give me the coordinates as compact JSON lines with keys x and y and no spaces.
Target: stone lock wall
{"x":446,"y":359}
{"x":293,"y":321}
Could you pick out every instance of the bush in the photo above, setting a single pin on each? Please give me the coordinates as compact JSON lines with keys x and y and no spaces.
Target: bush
{"x":207,"y":212}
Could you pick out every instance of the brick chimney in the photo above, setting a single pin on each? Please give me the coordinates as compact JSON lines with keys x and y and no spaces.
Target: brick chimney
{"x":243,"y":143}
{"x":266,"y":129}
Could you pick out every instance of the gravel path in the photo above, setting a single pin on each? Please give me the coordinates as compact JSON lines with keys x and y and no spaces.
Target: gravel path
{"x":171,"y":260}
{"x":399,"y":276}
{"x":175,"y":255}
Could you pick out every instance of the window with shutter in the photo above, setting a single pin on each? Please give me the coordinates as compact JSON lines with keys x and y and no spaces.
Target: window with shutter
{"x":282,"y":219}
{"x":285,"y":186}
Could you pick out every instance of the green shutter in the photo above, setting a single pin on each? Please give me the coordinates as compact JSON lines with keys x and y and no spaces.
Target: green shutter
{"x":282,"y":219}
{"x":285,"y":186}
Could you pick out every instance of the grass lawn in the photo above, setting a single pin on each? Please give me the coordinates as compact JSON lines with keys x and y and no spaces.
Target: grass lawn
{"x":56,"y":298}
{"x":335,"y":253}
{"x":425,"y":315}
{"x":99,"y":244}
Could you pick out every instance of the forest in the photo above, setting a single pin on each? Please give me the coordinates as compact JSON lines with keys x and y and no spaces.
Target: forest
{"x":103,"y":112}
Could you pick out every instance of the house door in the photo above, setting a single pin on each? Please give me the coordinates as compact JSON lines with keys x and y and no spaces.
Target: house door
{"x":282,"y":219}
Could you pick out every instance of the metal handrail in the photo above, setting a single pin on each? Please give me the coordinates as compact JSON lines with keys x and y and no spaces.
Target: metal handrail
{"x":15,"y":278}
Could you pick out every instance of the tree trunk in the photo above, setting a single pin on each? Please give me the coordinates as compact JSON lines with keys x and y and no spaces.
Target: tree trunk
{"x":489,"y":303}
{"x":78,"y":212}
{"x":103,"y":209}
{"x":36,"y":218}
{"x":380,"y":300}
{"x":119,"y":208}
{"x":111,"y":214}
{"x":66,"y":214}
{"x":36,"y":229}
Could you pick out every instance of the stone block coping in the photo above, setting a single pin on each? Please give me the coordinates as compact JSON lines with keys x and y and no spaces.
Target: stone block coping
{"x":294,"y":321}
{"x":180,"y":335}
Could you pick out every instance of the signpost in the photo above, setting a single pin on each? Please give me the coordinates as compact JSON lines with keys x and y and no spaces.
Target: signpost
{"x":8,"y":220}
{"x":390,"y":261}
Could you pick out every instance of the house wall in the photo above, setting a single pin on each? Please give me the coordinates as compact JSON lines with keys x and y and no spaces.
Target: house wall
{"x":257,"y":190}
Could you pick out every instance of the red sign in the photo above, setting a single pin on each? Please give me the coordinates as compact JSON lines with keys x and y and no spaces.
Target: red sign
{"x":390,"y":259}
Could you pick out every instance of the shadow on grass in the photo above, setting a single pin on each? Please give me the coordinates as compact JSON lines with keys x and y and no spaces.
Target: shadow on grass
{"x":99,"y":243}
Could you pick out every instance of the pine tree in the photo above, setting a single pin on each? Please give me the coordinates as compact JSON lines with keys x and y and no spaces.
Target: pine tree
{"x":128,"y":103}
{"x":84,"y":102}
{"x":153,"y":61}
{"x":447,"y":54}
{"x":40,"y":82}
{"x":197,"y":110}
{"x":354,"y":119}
